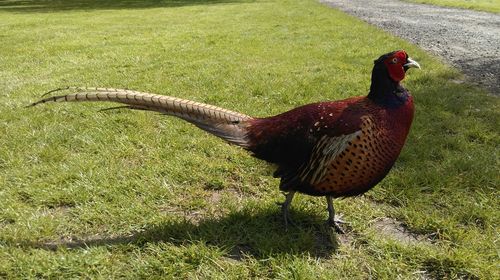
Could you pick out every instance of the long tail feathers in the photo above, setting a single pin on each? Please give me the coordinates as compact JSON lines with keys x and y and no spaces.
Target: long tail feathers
{"x":228,"y":125}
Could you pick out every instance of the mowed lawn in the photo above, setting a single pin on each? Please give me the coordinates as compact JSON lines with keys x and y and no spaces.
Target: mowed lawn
{"x":492,"y":6}
{"x":128,"y":194}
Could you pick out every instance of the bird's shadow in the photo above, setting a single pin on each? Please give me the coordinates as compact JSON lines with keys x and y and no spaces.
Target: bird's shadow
{"x":247,"y":232}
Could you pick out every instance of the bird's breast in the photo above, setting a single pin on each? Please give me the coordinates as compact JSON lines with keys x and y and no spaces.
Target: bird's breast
{"x":364,"y":161}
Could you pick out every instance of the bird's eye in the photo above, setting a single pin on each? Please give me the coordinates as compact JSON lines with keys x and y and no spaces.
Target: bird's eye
{"x":395,"y":60}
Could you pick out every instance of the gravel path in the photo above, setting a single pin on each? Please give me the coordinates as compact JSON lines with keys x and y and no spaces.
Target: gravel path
{"x":470,"y":40}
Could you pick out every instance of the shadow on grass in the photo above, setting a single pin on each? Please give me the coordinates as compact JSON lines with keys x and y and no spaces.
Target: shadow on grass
{"x":241,"y":233}
{"x":62,"y":5}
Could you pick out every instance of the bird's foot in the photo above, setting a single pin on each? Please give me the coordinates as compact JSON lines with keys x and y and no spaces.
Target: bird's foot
{"x":286,"y":215}
{"x":288,"y":220}
{"x":285,"y":209}
{"x":337,"y":223}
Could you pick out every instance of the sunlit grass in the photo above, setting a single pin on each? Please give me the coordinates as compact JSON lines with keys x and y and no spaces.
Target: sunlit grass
{"x":133,"y":194}
{"x":480,"y":5}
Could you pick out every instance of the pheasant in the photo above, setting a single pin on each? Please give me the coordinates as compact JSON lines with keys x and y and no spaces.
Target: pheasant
{"x":332,"y":149}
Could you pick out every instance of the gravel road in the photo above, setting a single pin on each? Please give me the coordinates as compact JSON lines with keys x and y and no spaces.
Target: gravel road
{"x":467,"y":39}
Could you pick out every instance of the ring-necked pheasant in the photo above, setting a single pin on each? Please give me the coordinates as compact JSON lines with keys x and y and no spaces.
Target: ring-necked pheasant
{"x":333,"y":149}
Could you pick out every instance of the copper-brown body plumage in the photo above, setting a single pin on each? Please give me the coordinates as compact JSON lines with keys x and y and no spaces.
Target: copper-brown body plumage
{"x":337,"y":149}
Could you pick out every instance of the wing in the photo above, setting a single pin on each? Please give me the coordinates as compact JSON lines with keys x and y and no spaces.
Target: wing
{"x":324,"y":153}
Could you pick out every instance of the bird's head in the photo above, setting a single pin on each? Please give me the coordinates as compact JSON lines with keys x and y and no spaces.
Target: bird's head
{"x":397,"y":63}
{"x":389,"y":70}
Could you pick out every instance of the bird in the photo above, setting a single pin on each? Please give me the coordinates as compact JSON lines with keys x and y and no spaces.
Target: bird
{"x":334,"y":149}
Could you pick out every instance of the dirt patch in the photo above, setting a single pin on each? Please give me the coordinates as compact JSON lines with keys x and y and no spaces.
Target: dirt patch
{"x":396,"y":230}
{"x":463,"y":38}
{"x":215,"y":198}
{"x":192,"y":216}
{"x":52,"y":212}
{"x":74,"y":242}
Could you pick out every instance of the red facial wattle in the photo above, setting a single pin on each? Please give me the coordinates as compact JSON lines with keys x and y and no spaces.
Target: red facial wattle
{"x":395,"y":64}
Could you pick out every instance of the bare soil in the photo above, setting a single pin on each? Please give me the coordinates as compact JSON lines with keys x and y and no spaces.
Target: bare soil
{"x":394,"y":229}
{"x":467,"y":39}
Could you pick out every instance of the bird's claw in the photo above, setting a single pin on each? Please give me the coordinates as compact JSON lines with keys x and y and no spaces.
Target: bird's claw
{"x":338,"y":219}
{"x":336,"y":224}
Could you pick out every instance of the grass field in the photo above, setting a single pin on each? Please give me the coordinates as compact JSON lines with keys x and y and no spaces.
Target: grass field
{"x":480,"y":5}
{"x":126,"y":194}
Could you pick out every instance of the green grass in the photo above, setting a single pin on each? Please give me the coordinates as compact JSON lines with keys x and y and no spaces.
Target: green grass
{"x":87,"y":194}
{"x":492,"y":6}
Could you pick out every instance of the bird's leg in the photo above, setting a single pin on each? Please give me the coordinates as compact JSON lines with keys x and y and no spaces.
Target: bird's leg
{"x":335,"y":223}
{"x":285,"y":207}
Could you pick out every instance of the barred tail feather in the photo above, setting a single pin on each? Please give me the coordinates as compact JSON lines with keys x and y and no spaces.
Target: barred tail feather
{"x":228,"y":125}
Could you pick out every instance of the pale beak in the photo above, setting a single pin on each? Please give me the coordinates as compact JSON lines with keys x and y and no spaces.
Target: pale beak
{"x":411,"y":64}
